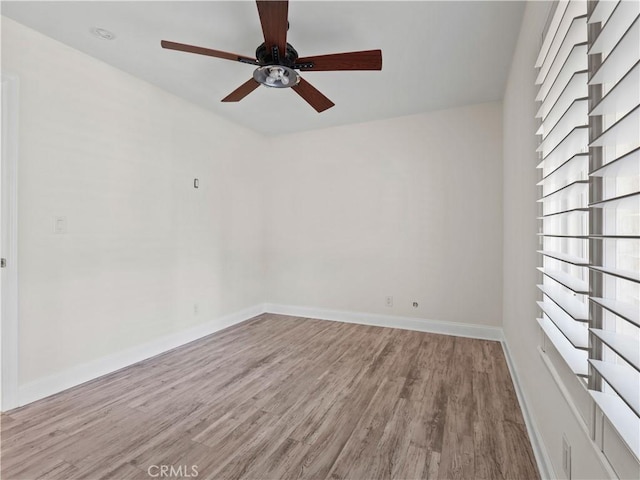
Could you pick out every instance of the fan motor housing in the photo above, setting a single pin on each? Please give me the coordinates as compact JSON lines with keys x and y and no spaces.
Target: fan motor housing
{"x":266,"y":57}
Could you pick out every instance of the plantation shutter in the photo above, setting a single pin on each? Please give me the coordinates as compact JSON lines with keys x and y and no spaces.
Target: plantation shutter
{"x":589,"y":93}
{"x":564,"y":187}
{"x":614,"y":238}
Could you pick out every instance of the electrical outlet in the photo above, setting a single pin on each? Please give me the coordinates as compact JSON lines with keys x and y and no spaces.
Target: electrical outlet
{"x":415,"y":304}
{"x":566,"y":457}
{"x":196,"y":309}
{"x":388,"y":301}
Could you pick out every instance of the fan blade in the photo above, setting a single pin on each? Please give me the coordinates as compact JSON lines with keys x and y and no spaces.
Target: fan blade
{"x":273,"y":18}
{"x":365,"y":60}
{"x":313,"y":96}
{"x":206,"y":51}
{"x":242,"y":91}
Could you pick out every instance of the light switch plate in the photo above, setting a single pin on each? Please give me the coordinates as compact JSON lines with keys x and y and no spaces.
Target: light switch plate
{"x":59,"y":225}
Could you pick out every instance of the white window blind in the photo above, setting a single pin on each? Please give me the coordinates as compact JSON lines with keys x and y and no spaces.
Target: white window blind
{"x":589,"y":94}
{"x":614,"y":78}
{"x":564,"y":193}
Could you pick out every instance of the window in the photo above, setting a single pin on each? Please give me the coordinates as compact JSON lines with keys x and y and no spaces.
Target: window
{"x":589,"y":94}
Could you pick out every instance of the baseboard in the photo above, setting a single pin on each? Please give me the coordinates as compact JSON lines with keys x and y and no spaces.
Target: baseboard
{"x":44,"y":387}
{"x":405,"y":323}
{"x":539,"y":450}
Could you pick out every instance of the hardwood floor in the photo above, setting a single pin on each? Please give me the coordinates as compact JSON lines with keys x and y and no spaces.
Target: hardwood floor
{"x":281,"y":397}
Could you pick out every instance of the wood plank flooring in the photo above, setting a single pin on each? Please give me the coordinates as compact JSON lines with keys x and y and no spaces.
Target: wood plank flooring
{"x":281,"y":397}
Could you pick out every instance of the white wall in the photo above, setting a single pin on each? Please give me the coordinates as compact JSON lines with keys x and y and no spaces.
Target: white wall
{"x":551,"y":412}
{"x":409,"y":207}
{"x":117,"y":157}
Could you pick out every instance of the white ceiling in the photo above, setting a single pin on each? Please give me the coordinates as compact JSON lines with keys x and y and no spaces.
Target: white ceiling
{"x":435,"y":54}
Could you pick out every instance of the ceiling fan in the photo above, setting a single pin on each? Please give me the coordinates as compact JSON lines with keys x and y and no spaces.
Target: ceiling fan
{"x":278,"y":61}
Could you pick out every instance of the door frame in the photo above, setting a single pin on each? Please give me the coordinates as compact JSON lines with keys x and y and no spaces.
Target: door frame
{"x":9,"y":219}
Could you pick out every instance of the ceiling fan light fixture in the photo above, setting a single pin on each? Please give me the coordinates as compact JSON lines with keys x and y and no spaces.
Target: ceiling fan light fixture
{"x":278,"y":61}
{"x":276,"y":76}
